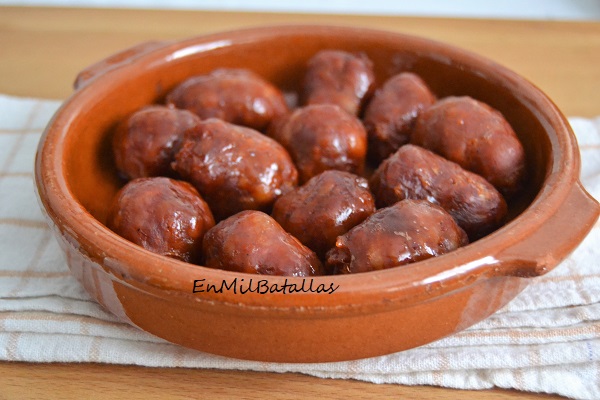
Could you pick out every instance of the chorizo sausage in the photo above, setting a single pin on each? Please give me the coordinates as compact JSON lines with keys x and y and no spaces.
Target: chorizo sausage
{"x":325,"y":207}
{"x":391,"y":114}
{"x":253,"y":242}
{"x":234,"y":168}
{"x":144,"y":143}
{"x":475,"y":136}
{"x":406,"y":232}
{"x":416,"y":173}
{"x":239,"y":96}
{"x":338,"y":77}
{"x":162,"y":215}
{"x":322,"y":137}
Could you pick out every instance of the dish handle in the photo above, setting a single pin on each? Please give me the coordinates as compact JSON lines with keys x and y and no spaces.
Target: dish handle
{"x":553,"y":241}
{"x":115,"y":61}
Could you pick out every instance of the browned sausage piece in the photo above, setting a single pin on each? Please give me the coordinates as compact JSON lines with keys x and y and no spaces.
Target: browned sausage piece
{"x":406,"y":232}
{"x":475,"y":136}
{"x":145,"y":142}
{"x":234,"y":168}
{"x":162,"y":215}
{"x":234,"y":95}
{"x":416,"y":173}
{"x":391,"y":114}
{"x":324,"y":208}
{"x":253,"y":242}
{"x":322,"y":137}
{"x":338,"y":77}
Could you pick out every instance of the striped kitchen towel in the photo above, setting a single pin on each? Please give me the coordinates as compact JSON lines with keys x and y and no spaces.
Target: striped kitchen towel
{"x":545,"y":340}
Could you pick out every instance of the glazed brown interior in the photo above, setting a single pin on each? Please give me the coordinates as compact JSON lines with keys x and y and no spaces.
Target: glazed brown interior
{"x":89,"y":166}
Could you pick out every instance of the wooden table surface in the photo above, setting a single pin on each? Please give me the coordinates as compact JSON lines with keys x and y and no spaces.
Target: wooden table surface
{"x":42,"y":50}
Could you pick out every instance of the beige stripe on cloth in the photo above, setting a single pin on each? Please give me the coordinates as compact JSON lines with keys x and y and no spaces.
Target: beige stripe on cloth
{"x":538,"y":342}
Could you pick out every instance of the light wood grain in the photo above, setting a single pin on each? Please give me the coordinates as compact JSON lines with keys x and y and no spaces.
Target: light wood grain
{"x":95,"y":381}
{"x":42,"y":50}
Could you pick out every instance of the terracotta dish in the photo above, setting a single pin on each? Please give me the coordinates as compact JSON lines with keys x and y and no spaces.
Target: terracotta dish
{"x":330,"y":318}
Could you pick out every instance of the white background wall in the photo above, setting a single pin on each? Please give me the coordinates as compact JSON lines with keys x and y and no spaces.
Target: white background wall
{"x":519,"y":9}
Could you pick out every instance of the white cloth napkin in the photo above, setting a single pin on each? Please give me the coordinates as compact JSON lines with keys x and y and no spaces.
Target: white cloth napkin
{"x":545,"y":340}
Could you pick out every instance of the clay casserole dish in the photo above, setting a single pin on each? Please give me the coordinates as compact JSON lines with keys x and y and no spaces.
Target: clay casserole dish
{"x":369,"y":314}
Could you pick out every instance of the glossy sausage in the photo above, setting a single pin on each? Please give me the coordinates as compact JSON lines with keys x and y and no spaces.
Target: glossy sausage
{"x":322,"y":137}
{"x":324,"y":208}
{"x":475,"y":136}
{"x":238,"y":96}
{"x":162,"y":215}
{"x":144,"y":143}
{"x":391,"y":114}
{"x":254,"y":243}
{"x":416,"y":173}
{"x":340,"y":78}
{"x":234,"y":168}
{"x":406,"y":232}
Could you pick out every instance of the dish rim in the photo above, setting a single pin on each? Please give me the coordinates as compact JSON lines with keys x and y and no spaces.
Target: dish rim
{"x":491,"y":256}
